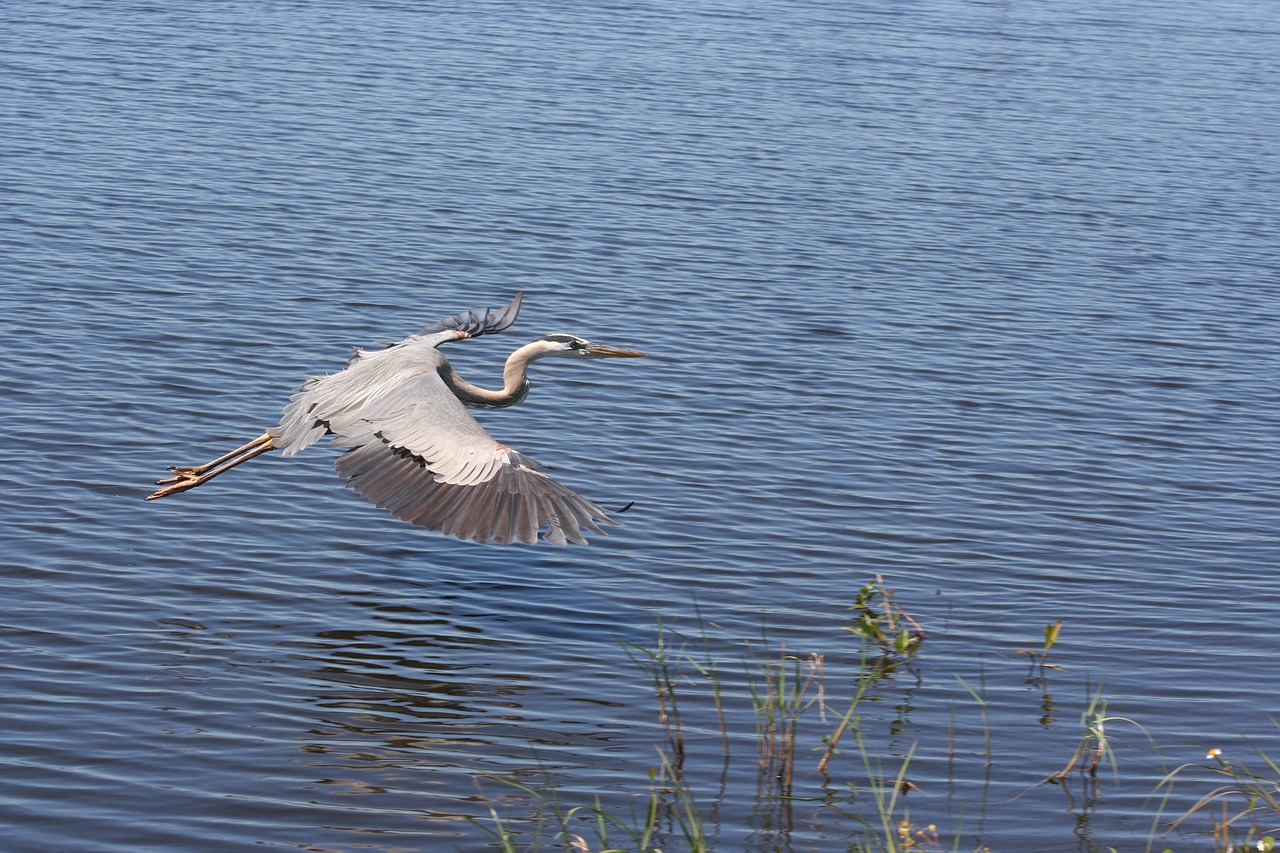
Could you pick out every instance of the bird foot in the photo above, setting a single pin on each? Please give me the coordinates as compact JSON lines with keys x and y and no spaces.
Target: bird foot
{"x":182,"y":479}
{"x":189,"y":478}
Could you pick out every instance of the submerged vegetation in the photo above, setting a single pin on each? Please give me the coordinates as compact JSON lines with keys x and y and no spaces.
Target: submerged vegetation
{"x":820,"y":742}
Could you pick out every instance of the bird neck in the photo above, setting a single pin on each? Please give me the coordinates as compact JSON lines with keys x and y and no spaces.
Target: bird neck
{"x":515,"y":383}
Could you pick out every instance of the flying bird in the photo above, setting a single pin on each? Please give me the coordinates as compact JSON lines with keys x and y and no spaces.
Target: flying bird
{"x":411,"y":447}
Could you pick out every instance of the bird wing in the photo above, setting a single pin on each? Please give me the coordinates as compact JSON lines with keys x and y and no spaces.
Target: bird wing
{"x":477,"y":322}
{"x":414,"y":450}
{"x":419,"y":454}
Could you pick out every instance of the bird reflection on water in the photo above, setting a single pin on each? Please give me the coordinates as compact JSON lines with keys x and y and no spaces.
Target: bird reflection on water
{"x":396,"y":715}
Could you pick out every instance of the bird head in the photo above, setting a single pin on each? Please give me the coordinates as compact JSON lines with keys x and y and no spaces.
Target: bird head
{"x":572,"y":346}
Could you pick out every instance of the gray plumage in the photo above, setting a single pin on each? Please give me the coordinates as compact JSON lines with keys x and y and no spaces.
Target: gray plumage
{"x":412,"y":448}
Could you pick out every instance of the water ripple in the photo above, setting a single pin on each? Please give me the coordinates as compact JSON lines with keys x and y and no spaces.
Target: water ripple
{"x":978,"y":298}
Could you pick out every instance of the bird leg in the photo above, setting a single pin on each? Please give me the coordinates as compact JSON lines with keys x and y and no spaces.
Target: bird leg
{"x":189,"y":478}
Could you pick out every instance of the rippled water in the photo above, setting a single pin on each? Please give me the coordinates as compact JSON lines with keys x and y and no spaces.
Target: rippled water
{"x":981,"y":297}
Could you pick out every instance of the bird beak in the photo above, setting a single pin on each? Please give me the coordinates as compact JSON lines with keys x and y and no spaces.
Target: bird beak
{"x":606,"y":351}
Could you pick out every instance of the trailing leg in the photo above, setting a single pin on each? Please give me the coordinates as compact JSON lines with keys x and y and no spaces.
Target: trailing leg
{"x":189,"y":478}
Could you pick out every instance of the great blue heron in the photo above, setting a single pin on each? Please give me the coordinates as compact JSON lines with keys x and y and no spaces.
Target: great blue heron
{"x":412,"y":447}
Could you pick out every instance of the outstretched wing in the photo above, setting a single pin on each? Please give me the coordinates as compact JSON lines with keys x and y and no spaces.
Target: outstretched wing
{"x":419,"y":454}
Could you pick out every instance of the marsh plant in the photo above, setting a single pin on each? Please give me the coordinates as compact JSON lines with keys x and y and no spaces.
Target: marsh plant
{"x":784,"y":688}
{"x":670,"y":815}
{"x":1096,"y":742}
{"x":1243,"y":801}
{"x":1040,"y":657}
{"x":811,"y":724}
{"x":885,"y":626}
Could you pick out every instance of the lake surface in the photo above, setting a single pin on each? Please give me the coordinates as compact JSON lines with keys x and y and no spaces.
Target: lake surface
{"x":981,"y":297}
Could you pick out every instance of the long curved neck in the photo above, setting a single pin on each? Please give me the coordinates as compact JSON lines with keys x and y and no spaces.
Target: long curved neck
{"x":515,"y":384}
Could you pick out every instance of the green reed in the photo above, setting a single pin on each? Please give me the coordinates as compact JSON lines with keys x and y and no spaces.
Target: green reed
{"x":798,"y":699}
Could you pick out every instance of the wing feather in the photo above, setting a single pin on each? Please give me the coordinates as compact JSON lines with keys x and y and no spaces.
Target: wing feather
{"x":511,"y":507}
{"x":476,"y":322}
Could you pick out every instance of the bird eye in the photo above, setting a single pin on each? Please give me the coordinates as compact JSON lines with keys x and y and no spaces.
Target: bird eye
{"x":577,"y":344}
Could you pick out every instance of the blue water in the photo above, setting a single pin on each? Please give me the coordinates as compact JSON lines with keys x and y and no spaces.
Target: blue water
{"x":981,"y":297}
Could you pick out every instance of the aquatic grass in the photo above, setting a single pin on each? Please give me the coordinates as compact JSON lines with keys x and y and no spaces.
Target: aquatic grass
{"x":891,"y":829}
{"x":983,"y":707}
{"x":686,"y":813}
{"x":882,"y":623}
{"x":708,"y":668}
{"x":1247,"y":792}
{"x":886,"y":792}
{"x":783,"y":688}
{"x":507,"y":840}
{"x":662,"y":662}
{"x":669,"y":797}
{"x":504,"y":839}
{"x":784,"y":700}
{"x":1040,"y":657}
{"x":1096,"y":744}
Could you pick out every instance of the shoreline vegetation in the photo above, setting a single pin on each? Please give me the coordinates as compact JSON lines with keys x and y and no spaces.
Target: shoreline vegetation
{"x":810,"y":718}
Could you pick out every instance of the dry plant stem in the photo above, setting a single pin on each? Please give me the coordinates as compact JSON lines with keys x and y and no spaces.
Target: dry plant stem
{"x":864,"y":683}
{"x":889,"y":610}
{"x":189,"y":478}
{"x":886,"y":603}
